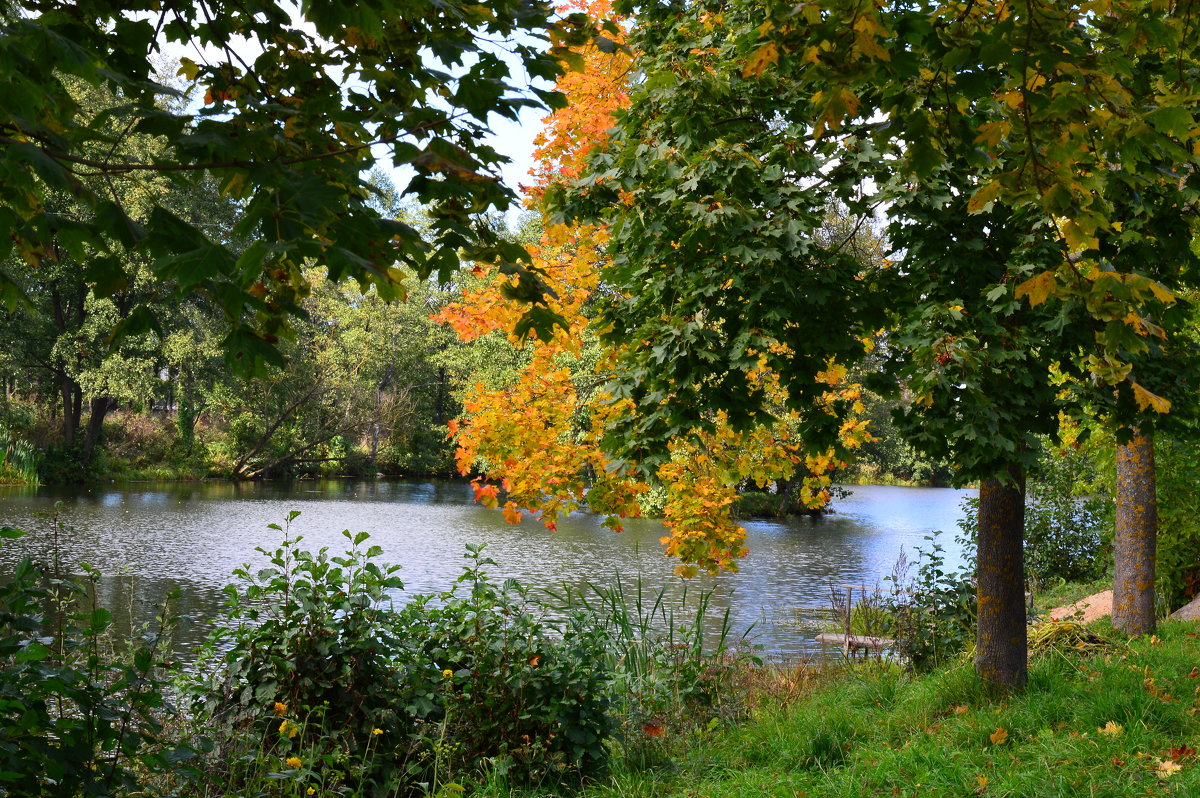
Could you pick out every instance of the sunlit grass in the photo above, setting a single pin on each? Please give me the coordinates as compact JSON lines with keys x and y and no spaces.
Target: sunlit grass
{"x":1113,"y":722}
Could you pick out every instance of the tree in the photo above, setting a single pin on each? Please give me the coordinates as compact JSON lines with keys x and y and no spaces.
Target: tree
{"x":985,"y":111}
{"x":547,"y":455}
{"x":77,"y":303}
{"x":295,"y":108}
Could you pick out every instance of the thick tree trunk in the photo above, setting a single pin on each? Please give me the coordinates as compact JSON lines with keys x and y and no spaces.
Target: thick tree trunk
{"x":1136,"y":537}
{"x":1000,"y":644}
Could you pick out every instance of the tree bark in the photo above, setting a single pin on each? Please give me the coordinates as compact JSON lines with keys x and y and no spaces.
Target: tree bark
{"x":1136,"y":537}
{"x":71,"y":408}
{"x":1001,"y":637}
{"x":99,"y":409}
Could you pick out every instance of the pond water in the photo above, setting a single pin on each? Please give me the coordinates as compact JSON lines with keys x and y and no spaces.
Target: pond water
{"x":150,"y":538}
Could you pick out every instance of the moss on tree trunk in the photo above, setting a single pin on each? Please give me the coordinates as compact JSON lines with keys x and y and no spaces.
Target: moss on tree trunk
{"x":1000,"y":643}
{"x":1136,"y":537}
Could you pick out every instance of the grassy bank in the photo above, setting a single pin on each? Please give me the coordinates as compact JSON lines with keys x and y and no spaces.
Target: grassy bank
{"x":1117,"y":717}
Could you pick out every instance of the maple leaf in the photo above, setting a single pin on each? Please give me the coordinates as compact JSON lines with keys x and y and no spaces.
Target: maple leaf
{"x":1111,"y":729}
{"x":1037,"y":288}
{"x":1146,"y":400}
{"x":760,"y":60}
{"x":999,"y":736}
{"x":1166,"y":769}
{"x":1181,"y":753}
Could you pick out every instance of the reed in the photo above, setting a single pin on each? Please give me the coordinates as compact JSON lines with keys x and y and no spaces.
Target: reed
{"x":19,"y":461}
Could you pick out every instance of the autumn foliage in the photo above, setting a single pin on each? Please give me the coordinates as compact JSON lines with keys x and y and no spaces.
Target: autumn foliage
{"x":537,"y":442}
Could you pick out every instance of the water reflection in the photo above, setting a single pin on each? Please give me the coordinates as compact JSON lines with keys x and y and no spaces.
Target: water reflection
{"x":150,"y":539}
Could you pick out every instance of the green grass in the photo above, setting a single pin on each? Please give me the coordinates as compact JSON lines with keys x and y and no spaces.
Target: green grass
{"x":1060,"y":594}
{"x":875,"y":730}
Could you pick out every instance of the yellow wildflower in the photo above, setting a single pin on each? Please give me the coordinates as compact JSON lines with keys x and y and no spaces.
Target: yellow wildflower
{"x":288,"y":729}
{"x":280,"y":708}
{"x":446,"y":674}
{"x":293,"y":762}
{"x":312,"y":790}
{"x":376,"y":731}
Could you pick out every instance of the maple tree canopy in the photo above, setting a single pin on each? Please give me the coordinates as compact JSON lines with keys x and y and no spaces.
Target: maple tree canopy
{"x":1036,"y":163}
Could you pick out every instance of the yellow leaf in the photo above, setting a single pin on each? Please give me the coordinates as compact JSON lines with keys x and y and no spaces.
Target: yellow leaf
{"x":1146,"y":400}
{"x":1013,"y":98}
{"x":999,"y":736}
{"x":1037,"y":288}
{"x":760,"y":59}
{"x":983,"y":196}
{"x":1078,"y":239}
{"x":188,"y":68}
{"x":1161,"y":293}
{"x":982,"y":781}
{"x":1111,"y":729}
{"x":1166,"y":769}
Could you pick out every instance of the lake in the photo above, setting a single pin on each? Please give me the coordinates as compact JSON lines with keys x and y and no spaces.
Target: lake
{"x":151,"y":538}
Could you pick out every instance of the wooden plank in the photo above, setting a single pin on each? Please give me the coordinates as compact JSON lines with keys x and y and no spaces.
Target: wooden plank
{"x":856,"y":641}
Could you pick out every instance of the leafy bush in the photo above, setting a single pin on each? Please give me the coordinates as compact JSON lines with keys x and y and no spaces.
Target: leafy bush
{"x":76,"y":716}
{"x":933,"y":612}
{"x":1178,"y":465}
{"x":529,"y":695}
{"x":318,"y":666}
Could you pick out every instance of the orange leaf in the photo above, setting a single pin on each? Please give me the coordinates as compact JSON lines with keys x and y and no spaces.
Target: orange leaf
{"x":999,"y":736}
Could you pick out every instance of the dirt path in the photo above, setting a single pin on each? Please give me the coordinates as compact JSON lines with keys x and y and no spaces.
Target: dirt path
{"x":1089,"y":609}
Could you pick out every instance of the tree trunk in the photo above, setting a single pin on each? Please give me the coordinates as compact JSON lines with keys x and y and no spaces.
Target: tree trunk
{"x":71,"y":408}
{"x":99,"y":409}
{"x":1136,"y":537}
{"x":1000,"y":645}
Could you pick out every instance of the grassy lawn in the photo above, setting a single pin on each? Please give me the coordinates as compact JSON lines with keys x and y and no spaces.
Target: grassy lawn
{"x":1117,"y":718}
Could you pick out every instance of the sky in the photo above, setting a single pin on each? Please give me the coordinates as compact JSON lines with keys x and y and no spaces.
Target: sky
{"x":513,"y":139}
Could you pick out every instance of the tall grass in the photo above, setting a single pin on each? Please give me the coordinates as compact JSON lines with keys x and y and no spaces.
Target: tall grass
{"x":643,"y":623}
{"x":19,"y":460}
{"x":676,"y":665}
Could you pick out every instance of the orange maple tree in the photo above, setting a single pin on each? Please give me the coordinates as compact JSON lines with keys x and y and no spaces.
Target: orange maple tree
{"x":537,"y":442}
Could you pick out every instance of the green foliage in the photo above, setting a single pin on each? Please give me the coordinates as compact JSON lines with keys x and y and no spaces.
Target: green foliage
{"x":472,"y":678}
{"x":933,"y":612}
{"x":675,"y":674}
{"x":274,"y":131}
{"x":19,"y":460}
{"x":1178,"y":567}
{"x":529,"y":695}
{"x":78,"y":717}
{"x":1065,"y":532}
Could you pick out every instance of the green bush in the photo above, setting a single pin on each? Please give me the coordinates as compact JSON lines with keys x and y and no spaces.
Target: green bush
{"x":528,"y":695}
{"x":317,"y":666}
{"x":78,"y":717}
{"x":674,"y":676}
{"x":933,"y":613}
{"x":1178,"y":466}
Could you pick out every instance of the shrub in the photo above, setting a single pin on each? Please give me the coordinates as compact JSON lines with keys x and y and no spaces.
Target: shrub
{"x":318,"y":666}
{"x":933,"y":612}
{"x":76,"y":716}
{"x":529,"y":695}
{"x":670,"y":681}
